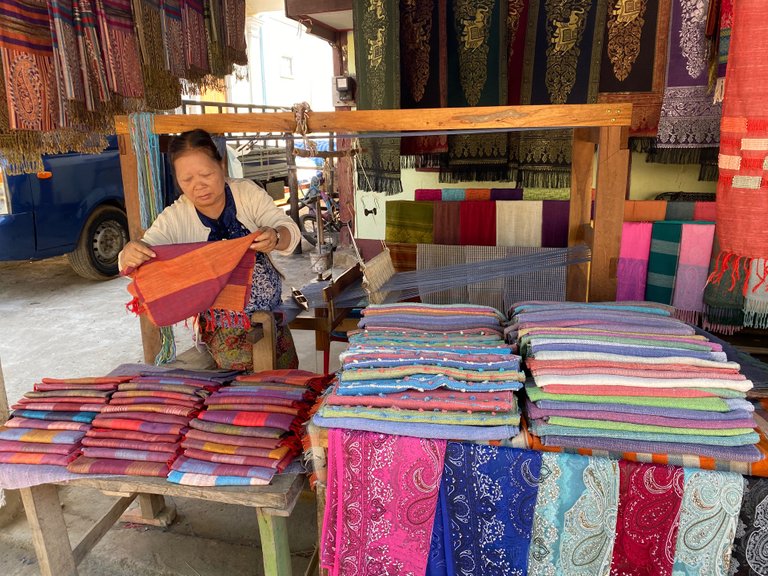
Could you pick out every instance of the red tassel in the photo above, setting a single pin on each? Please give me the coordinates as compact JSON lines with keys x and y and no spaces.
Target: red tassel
{"x":135,"y":307}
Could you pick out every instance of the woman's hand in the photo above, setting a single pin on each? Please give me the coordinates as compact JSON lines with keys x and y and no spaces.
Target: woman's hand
{"x":266,"y":241}
{"x":136,"y":253}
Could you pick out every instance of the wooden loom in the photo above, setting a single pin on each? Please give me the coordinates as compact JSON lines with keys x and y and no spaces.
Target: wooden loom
{"x":604,"y":127}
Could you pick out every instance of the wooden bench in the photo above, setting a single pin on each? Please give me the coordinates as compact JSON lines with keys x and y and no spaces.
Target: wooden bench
{"x":56,"y":556}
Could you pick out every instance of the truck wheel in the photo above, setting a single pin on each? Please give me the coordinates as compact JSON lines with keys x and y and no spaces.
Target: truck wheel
{"x":101,"y":240}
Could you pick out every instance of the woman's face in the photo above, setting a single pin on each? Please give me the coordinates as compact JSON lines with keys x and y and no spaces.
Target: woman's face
{"x":201,"y":179}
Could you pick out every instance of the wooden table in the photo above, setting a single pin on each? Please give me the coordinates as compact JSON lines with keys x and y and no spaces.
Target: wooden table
{"x":56,"y":556}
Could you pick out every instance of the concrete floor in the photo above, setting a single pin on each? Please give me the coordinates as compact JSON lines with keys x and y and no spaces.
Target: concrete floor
{"x":54,"y":323}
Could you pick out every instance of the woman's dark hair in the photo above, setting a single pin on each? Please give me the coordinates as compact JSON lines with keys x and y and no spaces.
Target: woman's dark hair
{"x":197,"y":139}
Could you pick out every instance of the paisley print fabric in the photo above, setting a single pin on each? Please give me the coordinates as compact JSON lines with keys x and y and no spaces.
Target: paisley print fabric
{"x":382,"y":501}
{"x":750,"y":550}
{"x":708,"y":518}
{"x":575,"y":516}
{"x":491,"y":494}
{"x":647,"y":520}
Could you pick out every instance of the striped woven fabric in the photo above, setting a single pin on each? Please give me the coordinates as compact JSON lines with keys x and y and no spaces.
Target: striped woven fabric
{"x":58,"y":406}
{"x":39,"y":447}
{"x":124,"y":454}
{"x":17,"y":422}
{"x":126,"y":444}
{"x":61,"y":394}
{"x":184,"y":280}
{"x":35,"y":458}
{"x":192,"y":479}
{"x":118,"y":434}
{"x":85,"y":465}
{"x":270,"y":443}
{"x":262,"y":407}
{"x":154,"y":394}
{"x":170,"y":409}
{"x":301,"y":378}
{"x":43,"y":436}
{"x":250,"y":431}
{"x":184,"y":464}
{"x":202,"y":445}
{"x":83,"y":417}
{"x":235,"y":399}
{"x":239,"y":459}
{"x":140,"y":425}
{"x":254,"y":419}
{"x":145,"y":417}
{"x":155,"y":402}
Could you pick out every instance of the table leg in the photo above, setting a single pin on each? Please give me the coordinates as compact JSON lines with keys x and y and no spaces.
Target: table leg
{"x":49,"y":531}
{"x":273,"y":531}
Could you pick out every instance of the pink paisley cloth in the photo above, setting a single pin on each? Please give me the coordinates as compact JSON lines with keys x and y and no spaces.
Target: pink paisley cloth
{"x":381,"y":501}
{"x":648,"y":519}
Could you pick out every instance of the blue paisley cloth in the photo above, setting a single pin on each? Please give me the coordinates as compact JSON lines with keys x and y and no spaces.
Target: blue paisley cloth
{"x":488,"y":495}
{"x":266,"y":284}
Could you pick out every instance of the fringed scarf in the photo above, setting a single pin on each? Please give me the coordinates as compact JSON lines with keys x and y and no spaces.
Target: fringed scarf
{"x":121,"y":50}
{"x":562,"y":67}
{"x":423,"y":74}
{"x":377,"y":58}
{"x":723,"y":45}
{"x":173,"y":37}
{"x":632,"y":269}
{"x":742,"y":201}
{"x":692,"y":271}
{"x":234,"y":33}
{"x":94,"y":73}
{"x":65,"y":49}
{"x":162,"y":89}
{"x":477,"y":68}
{"x":689,"y":118}
{"x":195,"y":44}
{"x":184,"y":280}
{"x":756,"y":301}
{"x":634,"y":60}
{"x":662,"y":262}
{"x":724,"y":297}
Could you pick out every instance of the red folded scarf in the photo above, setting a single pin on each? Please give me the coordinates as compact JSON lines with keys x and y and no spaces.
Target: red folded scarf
{"x":184,"y":280}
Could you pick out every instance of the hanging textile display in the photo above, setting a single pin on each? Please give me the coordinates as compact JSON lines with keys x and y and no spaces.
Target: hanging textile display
{"x":173,"y":37}
{"x":723,"y":45}
{"x":94,"y":73}
{"x":749,"y":550}
{"x":562,"y":67}
{"x":477,"y":76}
{"x":742,"y":202}
{"x":65,"y":51}
{"x":377,"y":60}
{"x":634,"y":60}
{"x":423,"y":74}
{"x":161,"y":89}
{"x":195,"y":46}
{"x":121,"y":50}
{"x":689,"y":118}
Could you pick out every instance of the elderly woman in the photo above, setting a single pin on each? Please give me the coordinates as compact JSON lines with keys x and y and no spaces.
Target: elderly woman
{"x":214,"y":207}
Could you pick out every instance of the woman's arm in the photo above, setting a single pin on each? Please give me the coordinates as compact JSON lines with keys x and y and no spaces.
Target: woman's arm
{"x":259,"y":209}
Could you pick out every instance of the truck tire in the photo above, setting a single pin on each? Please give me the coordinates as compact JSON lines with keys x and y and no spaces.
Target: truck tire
{"x":103,"y":236}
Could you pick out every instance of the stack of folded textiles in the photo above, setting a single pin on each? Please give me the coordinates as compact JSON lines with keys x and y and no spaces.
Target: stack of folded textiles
{"x":48,"y":424}
{"x":627,"y":377}
{"x":429,"y":371}
{"x":249,"y":431}
{"x":139,"y":432}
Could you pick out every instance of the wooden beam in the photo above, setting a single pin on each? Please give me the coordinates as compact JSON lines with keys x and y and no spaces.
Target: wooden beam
{"x":99,"y":530}
{"x":582,"y":161}
{"x":264,"y":354}
{"x":481,"y":118}
{"x":150,"y":334}
{"x":612,"y":187}
{"x":49,"y":531}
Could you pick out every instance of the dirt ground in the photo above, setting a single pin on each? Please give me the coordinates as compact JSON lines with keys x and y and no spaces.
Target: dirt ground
{"x":54,"y":323}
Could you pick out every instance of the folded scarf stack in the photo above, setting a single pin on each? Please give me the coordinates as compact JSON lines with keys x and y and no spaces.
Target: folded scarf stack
{"x":139,"y":432}
{"x":48,"y":423}
{"x":628,"y":377}
{"x":248,"y":431}
{"x":429,"y":371}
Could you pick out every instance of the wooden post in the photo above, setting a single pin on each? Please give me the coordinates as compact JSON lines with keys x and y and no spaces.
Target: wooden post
{"x":612,"y":186}
{"x":49,"y":532}
{"x":582,"y":161}
{"x":264,"y":348}
{"x":150,"y":334}
{"x":273,"y":533}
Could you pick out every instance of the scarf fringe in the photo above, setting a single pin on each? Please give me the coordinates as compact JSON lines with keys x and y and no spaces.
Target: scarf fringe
{"x":419,"y":161}
{"x":476,"y":174}
{"x":546,"y":179}
{"x":722,"y":320}
{"x":135,"y":307}
{"x":688,"y":316}
{"x":643,"y":144}
{"x":390,"y":186}
{"x":755,"y":319}
{"x":709,"y":173}
{"x":658,"y":155}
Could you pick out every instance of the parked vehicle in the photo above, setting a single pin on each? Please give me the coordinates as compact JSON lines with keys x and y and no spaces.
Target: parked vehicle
{"x":75,"y":207}
{"x":329,"y":210}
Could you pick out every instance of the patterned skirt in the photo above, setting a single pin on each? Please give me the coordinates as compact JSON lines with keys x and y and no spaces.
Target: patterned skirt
{"x":231,"y":350}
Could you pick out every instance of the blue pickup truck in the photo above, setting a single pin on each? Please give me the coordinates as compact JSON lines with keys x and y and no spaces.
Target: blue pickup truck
{"x":75,"y":207}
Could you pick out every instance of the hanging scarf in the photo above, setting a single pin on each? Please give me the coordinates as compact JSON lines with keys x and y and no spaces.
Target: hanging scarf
{"x":742,"y":204}
{"x":377,"y":58}
{"x":173,"y":38}
{"x":381,"y":497}
{"x":195,"y":46}
{"x":723,"y":45}
{"x":724,"y":299}
{"x":94,"y":74}
{"x":423,"y":74}
{"x":65,"y":48}
{"x":634,"y":60}
{"x":121,"y":51}
{"x":689,"y":118}
{"x":632,"y":269}
{"x":662,"y":262}
{"x":692,"y":271}
{"x":562,"y":67}
{"x":756,"y":301}
{"x":477,"y":68}
{"x":162,"y":90}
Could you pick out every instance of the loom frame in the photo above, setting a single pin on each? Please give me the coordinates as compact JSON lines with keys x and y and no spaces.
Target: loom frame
{"x":601,"y":133}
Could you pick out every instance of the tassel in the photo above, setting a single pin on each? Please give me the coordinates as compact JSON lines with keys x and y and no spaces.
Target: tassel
{"x":719,"y":91}
{"x":135,"y":307}
{"x":167,"y":346}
